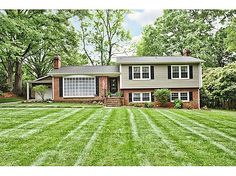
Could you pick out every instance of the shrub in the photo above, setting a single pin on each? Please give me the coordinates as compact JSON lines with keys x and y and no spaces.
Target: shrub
{"x":119,"y":94}
{"x":162,"y":95}
{"x":41,"y":90}
{"x":178,"y":104}
{"x":138,"y":105}
{"x":108,"y":94}
{"x":1,"y":93}
{"x":205,"y":108}
{"x":148,"y":105}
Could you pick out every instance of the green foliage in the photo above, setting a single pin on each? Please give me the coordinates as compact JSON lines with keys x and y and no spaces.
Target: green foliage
{"x":231,"y":35}
{"x":103,"y":35}
{"x":29,"y":39}
{"x":148,"y":105}
{"x":192,"y":29}
{"x":162,"y":95}
{"x":219,"y":87}
{"x":178,"y":104}
{"x":119,"y":94}
{"x":1,"y":92}
{"x":40,"y":90}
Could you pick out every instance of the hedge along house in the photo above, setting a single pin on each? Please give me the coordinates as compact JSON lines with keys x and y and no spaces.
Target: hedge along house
{"x":135,"y":77}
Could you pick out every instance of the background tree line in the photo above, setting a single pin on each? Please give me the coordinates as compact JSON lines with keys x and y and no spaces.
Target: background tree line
{"x":209,"y":35}
{"x":29,"y":39}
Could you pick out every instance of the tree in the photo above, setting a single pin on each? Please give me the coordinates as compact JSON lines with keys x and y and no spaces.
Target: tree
{"x":41,"y":90}
{"x":201,"y":31}
{"x":162,"y":95}
{"x":231,"y":35}
{"x":29,"y":38}
{"x":103,"y":35}
{"x":219,"y":87}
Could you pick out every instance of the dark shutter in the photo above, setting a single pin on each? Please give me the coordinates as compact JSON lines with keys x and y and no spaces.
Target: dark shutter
{"x":97,"y":85}
{"x":60,"y":87}
{"x":130,"y":97}
{"x":169,"y":72}
{"x":130,"y":73}
{"x":190,"y":96}
{"x":152,"y":96}
{"x":190,"y":71}
{"x":152,"y":72}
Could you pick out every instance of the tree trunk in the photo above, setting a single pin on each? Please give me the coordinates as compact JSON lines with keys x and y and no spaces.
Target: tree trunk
{"x":18,"y":78}
{"x":10,"y":74}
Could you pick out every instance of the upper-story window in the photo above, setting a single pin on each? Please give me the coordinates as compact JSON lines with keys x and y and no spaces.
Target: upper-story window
{"x":180,"y":71}
{"x":141,"y":72}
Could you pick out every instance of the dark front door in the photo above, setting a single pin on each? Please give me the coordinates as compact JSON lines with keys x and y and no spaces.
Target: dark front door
{"x":113,"y":85}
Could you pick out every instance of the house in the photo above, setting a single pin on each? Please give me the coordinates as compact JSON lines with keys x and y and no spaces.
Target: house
{"x":135,"y":77}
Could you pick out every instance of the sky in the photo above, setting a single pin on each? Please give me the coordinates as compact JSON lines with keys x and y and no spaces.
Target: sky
{"x":135,"y":21}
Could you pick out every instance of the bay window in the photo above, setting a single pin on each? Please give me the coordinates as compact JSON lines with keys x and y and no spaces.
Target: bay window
{"x":79,"y":86}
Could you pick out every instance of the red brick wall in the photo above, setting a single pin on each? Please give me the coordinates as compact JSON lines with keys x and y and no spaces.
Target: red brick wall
{"x":193,"y":104}
{"x":102,"y":86}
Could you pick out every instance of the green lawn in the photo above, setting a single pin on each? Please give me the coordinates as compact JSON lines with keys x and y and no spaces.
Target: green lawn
{"x":11,"y":99}
{"x":117,"y":136}
{"x":48,"y":105}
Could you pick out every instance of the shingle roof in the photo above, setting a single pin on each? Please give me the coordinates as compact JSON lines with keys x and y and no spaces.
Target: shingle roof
{"x":88,"y":70}
{"x":156,"y":59}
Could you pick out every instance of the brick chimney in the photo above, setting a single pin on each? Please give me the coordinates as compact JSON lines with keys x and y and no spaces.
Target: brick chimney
{"x":57,"y":62}
{"x":186,"y":52}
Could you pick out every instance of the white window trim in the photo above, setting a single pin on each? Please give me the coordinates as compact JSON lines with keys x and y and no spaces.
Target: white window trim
{"x":179,"y":71}
{"x":179,"y":96}
{"x":141,"y":72}
{"x":141,"y":97}
{"x":78,"y":76}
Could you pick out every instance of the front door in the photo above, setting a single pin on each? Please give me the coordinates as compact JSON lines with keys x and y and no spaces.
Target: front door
{"x":113,"y":85}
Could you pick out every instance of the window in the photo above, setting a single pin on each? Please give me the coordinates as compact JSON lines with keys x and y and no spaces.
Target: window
{"x":137,"y":97}
{"x":184,"y":96}
{"x":180,"y":71}
{"x":137,"y":73}
{"x":145,"y":72}
{"x":146,"y":96}
{"x":174,"y":96}
{"x":79,"y":87}
{"x":184,"y":71}
{"x":175,"y":71}
{"x":141,"y":97}
{"x":141,"y":72}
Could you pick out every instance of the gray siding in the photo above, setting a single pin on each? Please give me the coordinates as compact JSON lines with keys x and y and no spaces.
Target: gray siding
{"x":160,"y":79}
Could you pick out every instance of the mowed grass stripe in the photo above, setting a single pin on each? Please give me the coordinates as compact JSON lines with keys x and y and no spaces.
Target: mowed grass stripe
{"x":51,"y":122}
{"x":221,"y":125}
{"x":19,"y":117}
{"x":162,"y":136}
{"x":143,"y":159}
{"x":114,"y":145}
{"x":176,"y":120}
{"x":209,"y":129}
{"x":43,"y":141}
{"x":194,"y":149}
{"x":197,"y":114}
{"x":43,"y":156}
{"x":34,"y":121}
{"x":90,"y":143}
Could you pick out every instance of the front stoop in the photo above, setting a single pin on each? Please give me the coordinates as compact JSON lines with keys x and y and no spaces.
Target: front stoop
{"x":114,"y":101}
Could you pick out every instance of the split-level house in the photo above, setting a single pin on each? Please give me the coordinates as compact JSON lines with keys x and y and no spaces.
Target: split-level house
{"x":135,"y":77}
